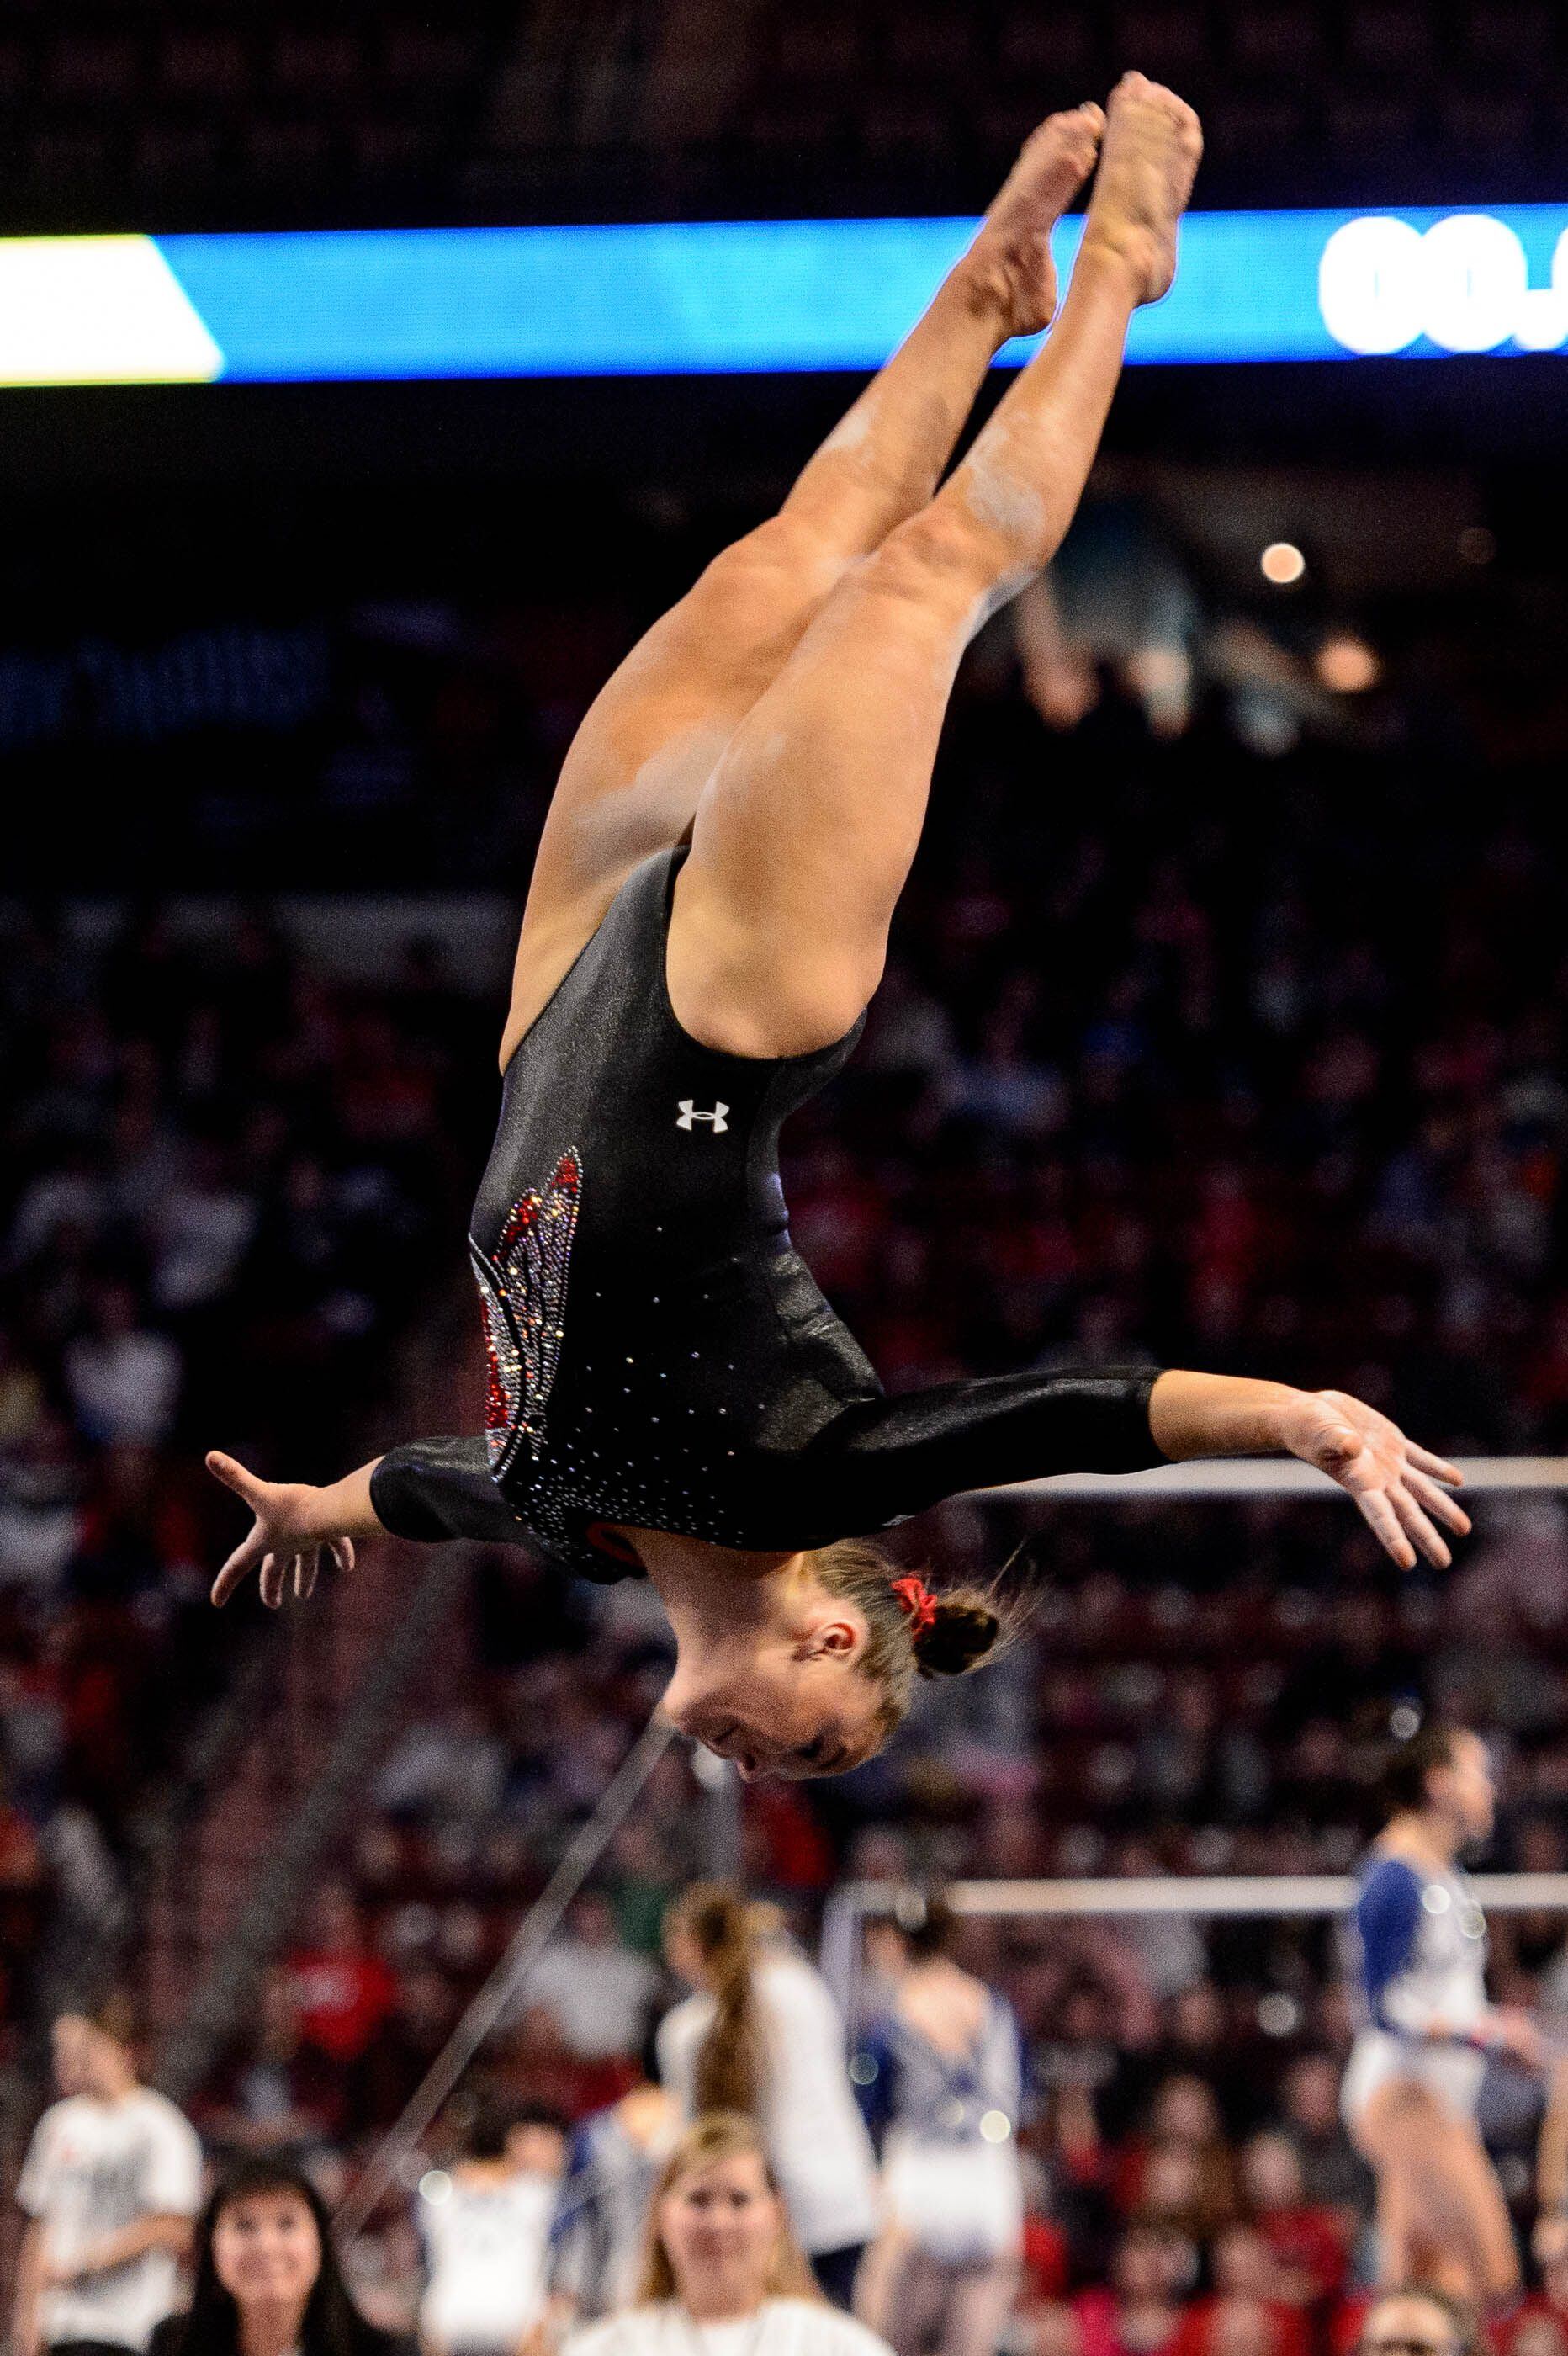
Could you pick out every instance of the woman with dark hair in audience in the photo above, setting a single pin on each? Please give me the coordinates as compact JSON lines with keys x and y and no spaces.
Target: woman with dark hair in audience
{"x":762,"y":2036}
{"x":722,"y":2274}
{"x":268,"y":2282}
{"x":669,"y":1395}
{"x":1416,"y":2069}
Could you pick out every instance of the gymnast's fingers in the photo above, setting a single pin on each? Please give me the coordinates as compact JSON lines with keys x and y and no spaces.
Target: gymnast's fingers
{"x":1418,"y":1529}
{"x":233,"y":1475}
{"x":1437,"y":1502}
{"x":272,"y":1581}
{"x":1383,"y":1523}
{"x":1438,"y":1466}
{"x":236,"y":1570}
{"x":342,"y":1552}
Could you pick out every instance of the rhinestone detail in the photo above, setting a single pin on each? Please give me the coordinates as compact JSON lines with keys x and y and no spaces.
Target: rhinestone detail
{"x":522,"y":1298}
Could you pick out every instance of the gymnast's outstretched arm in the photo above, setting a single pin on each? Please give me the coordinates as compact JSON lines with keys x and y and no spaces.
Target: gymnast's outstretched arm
{"x":891,"y":1457}
{"x":884,"y":1459}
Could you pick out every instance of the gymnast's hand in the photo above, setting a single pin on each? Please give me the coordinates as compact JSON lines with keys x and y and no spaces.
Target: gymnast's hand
{"x":1394,"y":1484}
{"x":293,"y":1523}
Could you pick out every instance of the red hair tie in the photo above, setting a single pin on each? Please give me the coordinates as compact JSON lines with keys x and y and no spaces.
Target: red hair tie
{"x":916,"y":1601}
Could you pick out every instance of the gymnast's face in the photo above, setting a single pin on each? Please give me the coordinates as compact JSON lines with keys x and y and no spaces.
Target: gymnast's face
{"x":791,"y":1702}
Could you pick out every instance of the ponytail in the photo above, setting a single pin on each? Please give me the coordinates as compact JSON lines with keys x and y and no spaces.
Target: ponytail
{"x":731,"y":2072}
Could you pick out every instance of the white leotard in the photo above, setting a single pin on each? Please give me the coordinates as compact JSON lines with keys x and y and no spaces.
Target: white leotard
{"x":1419,"y":1944}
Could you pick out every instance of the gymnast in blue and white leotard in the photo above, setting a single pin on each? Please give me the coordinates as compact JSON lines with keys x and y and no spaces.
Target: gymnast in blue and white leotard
{"x":1420,"y":1948}
{"x":1416,"y":2069}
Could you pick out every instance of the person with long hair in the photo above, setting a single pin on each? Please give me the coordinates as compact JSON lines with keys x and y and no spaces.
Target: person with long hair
{"x":943,"y":2077}
{"x":1414,"y":2072}
{"x":761,"y":2038}
{"x":669,"y":1393}
{"x":268,"y":2282}
{"x":722,"y":2274}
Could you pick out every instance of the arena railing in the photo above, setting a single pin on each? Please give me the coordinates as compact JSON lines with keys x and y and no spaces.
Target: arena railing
{"x":1193,"y":1897}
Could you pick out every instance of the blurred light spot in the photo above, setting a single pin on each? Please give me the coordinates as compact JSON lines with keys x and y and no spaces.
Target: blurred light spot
{"x":1282,"y":562}
{"x":1348,"y":664}
{"x":862,"y":2069}
{"x":1477,"y":544}
{"x":996,"y":2126}
{"x":1278,"y":2016}
{"x":1404,"y":1722}
{"x":1435,"y":1898}
{"x":435,"y":2186}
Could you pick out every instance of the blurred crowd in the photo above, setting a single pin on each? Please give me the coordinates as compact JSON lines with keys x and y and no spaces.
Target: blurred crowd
{"x":1008,"y":2144}
{"x":228,"y":1187}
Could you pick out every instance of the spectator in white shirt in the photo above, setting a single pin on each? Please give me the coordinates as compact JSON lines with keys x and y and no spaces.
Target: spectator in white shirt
{"x":722,"y":2274}
{"x":110,"y":2183}
{"x":762,"y":2036}
{"x":601,"y":1995}
{"x":125,"y":1380}
{"x":484,"y":2227}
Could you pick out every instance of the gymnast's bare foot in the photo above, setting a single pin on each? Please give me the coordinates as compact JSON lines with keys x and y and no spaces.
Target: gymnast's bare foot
{"x":1010,"y":260}
{"x":1153,"y":141}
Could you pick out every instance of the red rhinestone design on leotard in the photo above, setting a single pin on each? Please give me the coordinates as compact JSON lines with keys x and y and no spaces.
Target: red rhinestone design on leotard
{"x":522,"y":1298}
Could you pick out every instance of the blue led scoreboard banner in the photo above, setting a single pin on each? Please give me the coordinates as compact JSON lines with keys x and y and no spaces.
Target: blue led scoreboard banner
{"x":701,"y":298}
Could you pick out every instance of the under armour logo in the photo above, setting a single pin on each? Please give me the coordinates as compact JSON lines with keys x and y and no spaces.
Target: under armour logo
{"x":688,"y":1116}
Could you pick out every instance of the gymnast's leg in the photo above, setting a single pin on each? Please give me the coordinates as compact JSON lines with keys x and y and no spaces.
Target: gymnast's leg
{"x":805,"y":833}
{"x":631,"y":782}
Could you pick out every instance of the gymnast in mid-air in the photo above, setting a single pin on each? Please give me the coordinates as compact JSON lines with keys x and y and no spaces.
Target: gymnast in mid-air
{"x":669,"y":1393}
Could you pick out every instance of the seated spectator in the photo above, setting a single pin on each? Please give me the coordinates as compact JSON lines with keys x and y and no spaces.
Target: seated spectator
{"x":1182,"y":2168}
{"x":276,"y":2090}
{"x":602,"y":1994}
{"x":1244,"y":2314}
{"x":485,"y":2224}
{"x":539,"y":2066}
{"x":1536,"y":2331}
{"x":1171,"y":2190}
{"x":1334,"y":2175}
{"x":1307,"y":2242}
{"x":423,"y":2011}
{"x":1545,"y":2314}
{"x":1139,"y":2315}
{"x":750,"y":2279}
{"x":125,"y":1380}
{"x":268,"y":2282}
{"x":342,"y":1991}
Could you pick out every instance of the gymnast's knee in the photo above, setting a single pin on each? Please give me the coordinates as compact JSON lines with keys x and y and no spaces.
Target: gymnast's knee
{"x":783,"y":558}
{"x":940,"y":557}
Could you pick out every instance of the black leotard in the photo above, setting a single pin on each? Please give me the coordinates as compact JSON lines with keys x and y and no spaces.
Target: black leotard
{"x":660,"y":1354}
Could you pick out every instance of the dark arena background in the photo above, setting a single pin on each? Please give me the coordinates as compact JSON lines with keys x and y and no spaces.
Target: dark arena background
{"x":1224,"y":1025}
